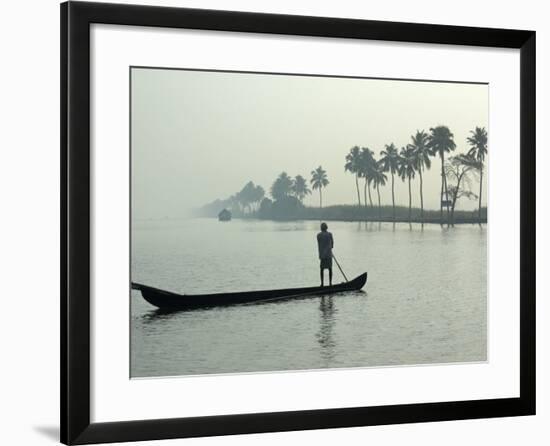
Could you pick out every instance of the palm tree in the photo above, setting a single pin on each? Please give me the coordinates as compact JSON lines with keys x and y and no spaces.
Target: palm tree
{"x":353,"y":165}
{"x":390,"y":162}
{"x":478,"y":143}
{"x":421,"y":154}
{"x":247,"y":196}
{"x":299,"y":188}
{"x":366,"y":165}
{"x":407,"y":170}
{"x":282,"y":186}
{"x":318,"y":181}
{"x":441,"y":141}
{"x":379,"y":178}
{"x":259,"y":194}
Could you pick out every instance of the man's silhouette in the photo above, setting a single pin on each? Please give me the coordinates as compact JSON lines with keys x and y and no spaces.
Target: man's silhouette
{"x":325,"y":242}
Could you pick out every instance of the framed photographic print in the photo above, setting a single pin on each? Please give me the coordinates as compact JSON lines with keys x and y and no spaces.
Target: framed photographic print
{"x":276,"y":222}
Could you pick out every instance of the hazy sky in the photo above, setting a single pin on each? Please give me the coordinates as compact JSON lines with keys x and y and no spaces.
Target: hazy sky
{"x":198,"y":136}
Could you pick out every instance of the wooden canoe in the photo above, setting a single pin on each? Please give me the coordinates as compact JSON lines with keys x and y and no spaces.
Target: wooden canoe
{"x":168,"y":300}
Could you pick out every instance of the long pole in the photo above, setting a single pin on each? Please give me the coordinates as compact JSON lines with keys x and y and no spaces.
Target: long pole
{"x":339,"y":267}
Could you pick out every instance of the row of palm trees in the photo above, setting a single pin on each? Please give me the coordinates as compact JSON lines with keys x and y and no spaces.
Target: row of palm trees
{"x":248,"y":197}
{"x":415,"y":158}
{"x":284,"y":185}
{"x":405,"y":163}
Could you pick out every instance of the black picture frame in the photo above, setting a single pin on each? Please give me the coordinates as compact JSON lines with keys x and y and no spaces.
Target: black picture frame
{"x":76,"y":18}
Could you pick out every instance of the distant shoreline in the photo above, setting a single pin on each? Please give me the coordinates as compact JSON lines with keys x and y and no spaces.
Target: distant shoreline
{"x":386,"y":214}
{"x":356,"y":220}
{"x":431,"y":221}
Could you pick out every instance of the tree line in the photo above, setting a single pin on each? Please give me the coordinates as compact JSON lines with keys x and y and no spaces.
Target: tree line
{"x":415,"y":158}
{"x":406,"y":163}
{"x":285,"y":186}
{"x":241,"y":203}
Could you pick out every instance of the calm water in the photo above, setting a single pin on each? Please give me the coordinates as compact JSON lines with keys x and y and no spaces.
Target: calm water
{"x":424,"y":302}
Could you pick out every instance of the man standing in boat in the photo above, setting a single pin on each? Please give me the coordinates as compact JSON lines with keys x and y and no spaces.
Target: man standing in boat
{"x":325,"y":242}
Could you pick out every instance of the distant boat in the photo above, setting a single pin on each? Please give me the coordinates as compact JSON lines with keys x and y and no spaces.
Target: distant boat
{"x":167,"y":300}
{"x":224,"y":215}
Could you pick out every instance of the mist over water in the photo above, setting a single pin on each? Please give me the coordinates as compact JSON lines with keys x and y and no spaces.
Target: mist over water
{"x":425,"y":300}
{"x":199,"y":136}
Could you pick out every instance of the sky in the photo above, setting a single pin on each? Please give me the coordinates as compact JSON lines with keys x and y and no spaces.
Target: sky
{"x":197,"y":136}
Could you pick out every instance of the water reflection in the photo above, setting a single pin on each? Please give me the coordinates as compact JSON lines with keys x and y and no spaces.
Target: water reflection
{"x":158,"y":315}
{"x":325,"y":335}
{"x":165,"y":314}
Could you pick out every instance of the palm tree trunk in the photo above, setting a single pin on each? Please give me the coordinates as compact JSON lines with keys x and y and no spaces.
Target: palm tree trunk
{"x":410,"y":199}
{"x":379,"y":208}
{"x":357,"y":186}
{"x":441,"y":196}
{"x":365,"y":194}
{"x":370,"y":198}
{"x":320,"y":198}
{"x":446,"y":189}
{"x":421,"y":196}
{"x":447,"y":195}
{"x":392,"y":197}
{"x":480,"y":186}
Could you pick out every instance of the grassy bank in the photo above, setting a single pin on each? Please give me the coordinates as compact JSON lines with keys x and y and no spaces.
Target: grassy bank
{"x":356,"y":213}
